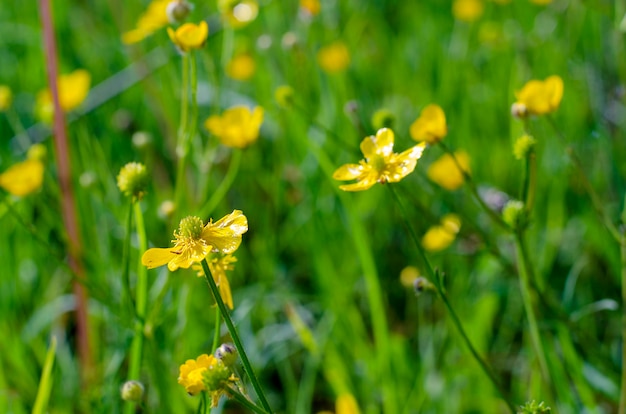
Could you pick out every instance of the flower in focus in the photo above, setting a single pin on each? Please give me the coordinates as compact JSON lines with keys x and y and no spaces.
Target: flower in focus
{"x":218,"y":267}
{"x":381,"y":164}
{"x":467,"y":10}
{"x":238,"y":13}
{"x":430,"y":126}
{"x":439,"y":237}
{"x":445,"y":172}
{"x":193,"y":242}
{"x":241,"y":67}
{"x":72,"y":89}
{"x":311,"y":7}
{"x":23,"y":178}
{"x":6,"y":97}
{"x":189,"y":35}
{"x":206,"y":373}
{"x":237,"y":127}
{"x":538,"y":97}
{"x":334,"y":57}
{"x":153,"y":19}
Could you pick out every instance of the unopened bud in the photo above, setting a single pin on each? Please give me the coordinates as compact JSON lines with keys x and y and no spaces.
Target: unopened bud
{"x":227,"y":353}
{"x":132,"y":391}
{"x":133,"y":179}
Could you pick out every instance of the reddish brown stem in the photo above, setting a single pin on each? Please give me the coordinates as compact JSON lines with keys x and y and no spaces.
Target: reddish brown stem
{"x":67,"y":196}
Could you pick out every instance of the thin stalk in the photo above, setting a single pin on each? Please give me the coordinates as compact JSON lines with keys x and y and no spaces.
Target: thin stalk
{"x":524,"y":268}
{"x":181,"y":142}
{"x":68,"y":207}
{"x":530,"y":180}
{"x":473,"y":189}
{"x":442,"y":294}
{"x":622,"y":399}
{"x":224,"y":186}
{"x":241,"y":399}
{"x":235,"y":335}
{"x":45,"y":383}
{"x":216,"y":331}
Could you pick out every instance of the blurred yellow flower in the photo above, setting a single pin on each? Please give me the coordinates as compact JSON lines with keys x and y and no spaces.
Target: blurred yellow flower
{"x":439,"y":237}
{"x":237,"y":127}
{"x":430,"y":126}
{"x":334,"y":57}
{"x":408,"y":276}
{"x":445,"y":171}
{"x":218,"y":267}
{"x":312,"y":7}
{"x":6,"y":98}
{"x":154,"y":18}
{"x":23,"y":178}
{"x":541,"y":2}
{"x":346,"y":404}
{"x":467,"y":10}
{"x":191,"y":374}
{"x":238,"y":13}
{"x":72,"y":88}
{"x":538,"y":97}
{"x":381,"y":164}
{"x":189,"y":35}
{"x":241,"y":67}
{"x":193,"y":241}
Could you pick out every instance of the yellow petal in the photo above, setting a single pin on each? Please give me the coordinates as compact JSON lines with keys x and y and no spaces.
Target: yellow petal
{"x":23,"y":178}
{"x":437,"y":238}
{"x":430,"y":126}
{"x":156,"y":257}
{"x":554,"y":86}
{"x":404,"y":163}
{"x":73,"y":89}
{"x":445,"y":172}
{"x":348,"y":172}
{"x":346,"y":404}
{"x":225,"y":234}
{"x":334,"y":58}
{"x":365,"y":182}
{"x":384,"y":142}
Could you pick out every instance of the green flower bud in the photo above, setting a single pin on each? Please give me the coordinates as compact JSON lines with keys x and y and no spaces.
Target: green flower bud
{"x":191,"y":226}
{"x":523,"y":146}
{"x":37,"y":152}
{"x":383,"y":118}
{"x":215,"y":376}
{"x":178,"y":10}
{"x":227,"y":353}
{"x":133,"y":179}
{"x":132,"y":391}
{"x":284,"y":96}
{"x":513,"y":214}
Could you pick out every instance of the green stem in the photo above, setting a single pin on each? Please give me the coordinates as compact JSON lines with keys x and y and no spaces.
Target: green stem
{"x":141,"y":292}
{"x":524,"y":269}
{"x":241,"y":399}
{"x":216,"y":331}
{"x":224,"y":185}
{"x":530,"y":181}
{"x":474,"y":190}
{"x":181,"y":143}
{"x":442,"y":294}
{"x":45,"y":383}
{"x":622,"y":399}
{"x":233,"y":333}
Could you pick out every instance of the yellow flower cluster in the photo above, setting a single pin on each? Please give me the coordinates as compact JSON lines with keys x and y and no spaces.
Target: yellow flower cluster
{"x":538,"y":97}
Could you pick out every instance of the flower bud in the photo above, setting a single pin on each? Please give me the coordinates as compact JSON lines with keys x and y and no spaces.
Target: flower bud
{"x":141,"y":139}
{"x":37,"y":152}
{"x":422,"y":284}
{"x":132,"y":391}
{"x":166,"y":209}
{"x":513,"y":214}
{"x":227,"y":353}
{"x":284,"y":96}
{"x":133,"y":179}
{"x":215,"y":376}
{"x":178,"y":10}
{"x":383,"y":118}
{"x":519,"y":110}
{"x":523,"y":146}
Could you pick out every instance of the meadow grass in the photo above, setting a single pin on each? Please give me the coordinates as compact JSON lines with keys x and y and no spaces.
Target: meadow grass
{"x":319,"y":303}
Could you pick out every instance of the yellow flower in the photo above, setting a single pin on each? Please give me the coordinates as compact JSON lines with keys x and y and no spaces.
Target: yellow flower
{"x":189,"y":35}
{"x":241,"y":67}
{"x":541,"y":2}
{"x":312,"y":7}
{"x":154,"y":18}
{"x":381,"y":164}
{"x":334,"y":58}
{"x":6,"y":97}
{"x":467,"y":10}
{"x":193,"y":242}
{"x":191,"y":373}
{"x":446,"y":173}
{"x":23,"y":178}
{"x":346,"y":404}
{"x":539,"y":97}
{"x":238,"y":13}
{"x":237,"y":127}
{"x":439,"y":237}
{"x":72,"y":89}
{"x":218,"y":268}
{"x":430,"y":126}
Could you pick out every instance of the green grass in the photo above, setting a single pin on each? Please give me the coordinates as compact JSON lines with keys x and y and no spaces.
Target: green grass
{"x":333,"y":257}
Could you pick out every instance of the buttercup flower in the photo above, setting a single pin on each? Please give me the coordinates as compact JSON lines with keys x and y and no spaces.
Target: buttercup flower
{"x":6,"y":97}
{"x":72,"y":88}
{"x":238,"y":13}
{"x":445,"y":171}
{"x":430,"y":126}
{"x":206,"y":373}
{"x":381,"y":164}
{"x":153,"y":19}
{"x":189,"y":35}
{"x":541,"y":2}
{"x":439,"y":237}
{"x":538,"y":97}
{"x":193,"y":242}
{"x":467,"y":10}
{"x":218,"y":267}
{"x":237,"y":127}
{"x":311,"y":7}
{"x":346,"y":404}
{"x":241,"y":67}
{"x":23,"y":178}
{"x":334,"y":58}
